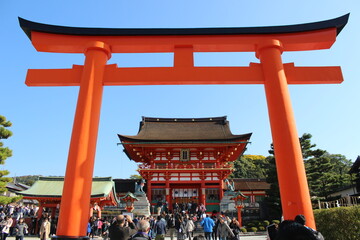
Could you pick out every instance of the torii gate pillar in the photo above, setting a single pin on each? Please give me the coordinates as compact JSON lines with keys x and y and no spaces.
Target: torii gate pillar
{"x":80,"y":165}
{"x":294,"y":190}
{"x":99,"y":43}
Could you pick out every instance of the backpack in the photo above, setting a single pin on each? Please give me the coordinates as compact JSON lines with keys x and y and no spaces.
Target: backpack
{"x":317,"y":234}
{"x":171,"y":222}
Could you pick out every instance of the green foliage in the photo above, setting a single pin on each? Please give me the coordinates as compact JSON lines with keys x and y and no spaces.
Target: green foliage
{"x":243,"y":230}
{"x":272,"y":199}
{"x":251,"y":224}
{"x":4,"y":180}
{"x":261,"y":228}
{"x":339,"y":223}
{"x":5,"y":133}
{"x":252,"y":229}
{"x":135,"y":176}
{"x":6,"y":200}
{"x":250,"y":166}
{"x":5,"y":152}
{"x":27,"y":180}
{"x":325,"y":173}
{"x":266,"y":223}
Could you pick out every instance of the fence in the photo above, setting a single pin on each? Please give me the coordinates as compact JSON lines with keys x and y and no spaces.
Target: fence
{"x":346,"y":201}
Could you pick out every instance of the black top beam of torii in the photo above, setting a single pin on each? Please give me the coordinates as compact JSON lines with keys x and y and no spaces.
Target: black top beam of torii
{"x":29,"y":26}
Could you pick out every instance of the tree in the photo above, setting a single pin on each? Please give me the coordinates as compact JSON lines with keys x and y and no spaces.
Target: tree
{"x":5,"y":152}
{"x":327,"y":173}
{"x":250,"y":166}
{"x":27,"y":180}
{"x":5,"y":133}
{"x":272,"y":200}
{"x":135,"y":176}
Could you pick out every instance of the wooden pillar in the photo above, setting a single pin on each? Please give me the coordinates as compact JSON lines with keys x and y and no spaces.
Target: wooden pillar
{"x":40,"y":211}
{"x":53,"y":212}
{"x":168,"y":193}
{"x":221,"y":189}
{"x":75,"y":200}
{"x":202,"y":193}
{"x":295,"y":197}
{"x":239,"y":208}
{"x":149,"y":191}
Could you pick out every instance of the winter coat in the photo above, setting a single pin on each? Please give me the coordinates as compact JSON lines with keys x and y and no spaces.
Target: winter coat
{"x":208,"y":224}
{"x":223,"y":230}
{"x":190,"y":226}
{"x":20,"y":229}
{"x":45,"y":230}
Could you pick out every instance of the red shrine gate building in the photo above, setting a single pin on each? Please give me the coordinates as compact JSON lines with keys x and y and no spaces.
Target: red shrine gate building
{"x":185,"y":159}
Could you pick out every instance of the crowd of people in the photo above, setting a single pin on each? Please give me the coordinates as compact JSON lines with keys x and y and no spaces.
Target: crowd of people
{"x":18,"y":210}
{"x":180,"y":225}
{"x":12,"y":222}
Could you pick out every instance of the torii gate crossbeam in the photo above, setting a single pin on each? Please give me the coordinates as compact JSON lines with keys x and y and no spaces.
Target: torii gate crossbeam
{"x":99,"y":43}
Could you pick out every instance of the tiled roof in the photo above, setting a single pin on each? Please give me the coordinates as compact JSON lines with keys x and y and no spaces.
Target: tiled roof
{"x":53,"y":187}
{"x":184,"y":129}
{"x":250,"y":184}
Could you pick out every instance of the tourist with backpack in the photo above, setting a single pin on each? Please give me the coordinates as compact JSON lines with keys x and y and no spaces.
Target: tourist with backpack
{"x":171,"y":225}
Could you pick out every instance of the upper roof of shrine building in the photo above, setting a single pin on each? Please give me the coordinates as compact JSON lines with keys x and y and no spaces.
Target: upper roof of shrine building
{"x":185,"y":129}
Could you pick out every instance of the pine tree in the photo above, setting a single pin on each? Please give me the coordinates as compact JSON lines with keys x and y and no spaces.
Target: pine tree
{"x":5,"y":152}
{"x":327,"y":173}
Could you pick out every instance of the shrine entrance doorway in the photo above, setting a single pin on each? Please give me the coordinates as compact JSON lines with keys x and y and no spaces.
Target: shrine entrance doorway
{"x":182,"y":194}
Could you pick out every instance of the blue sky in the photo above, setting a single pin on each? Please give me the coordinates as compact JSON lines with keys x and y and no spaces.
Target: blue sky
{"x":42,"y":117}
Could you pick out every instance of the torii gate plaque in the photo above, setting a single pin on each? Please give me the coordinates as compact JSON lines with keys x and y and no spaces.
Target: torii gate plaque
{"x":98,"y":43}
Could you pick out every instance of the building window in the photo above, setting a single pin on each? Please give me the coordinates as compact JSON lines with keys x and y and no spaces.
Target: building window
{"x":185,"y":155}
{"x":158,"y":195}
{"x":212,"y":194}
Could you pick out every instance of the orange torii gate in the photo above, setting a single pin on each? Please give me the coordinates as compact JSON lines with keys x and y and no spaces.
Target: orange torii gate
{"x":99,"y":43}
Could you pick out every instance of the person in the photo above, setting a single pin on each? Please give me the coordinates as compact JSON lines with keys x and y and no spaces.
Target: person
{"x":99,"y":227}
{"x":93,"y":227}
{"x":45,"y":229}
{"x":292,"y":230}
{"x":171,"y":225}
{"x":207,"y":223}
{"x":189,"y":227}
{"x":235,"y":227}
{"x":122,"y":228}
{"x":6,"y":224}
{"x":88,"y":229}
{"x":180,"y":227}
{"x":160,"y":228}
{"x":302,"y":220}
{"x":215,"y":217}
{"x":271,"y":231}
{"x":21,"y":229}
{"x":223,"y":230}
{"x":105,"y":229}
{"x":143,"y":230}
